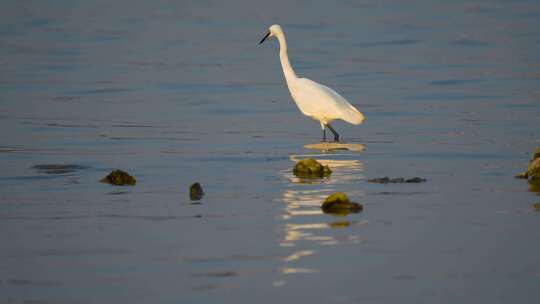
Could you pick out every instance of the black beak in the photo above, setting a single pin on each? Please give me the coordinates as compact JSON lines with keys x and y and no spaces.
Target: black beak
{"x":264,"y":38}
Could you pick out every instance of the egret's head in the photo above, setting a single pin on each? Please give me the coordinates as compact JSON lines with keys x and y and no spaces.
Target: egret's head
{"x":272,"y":32}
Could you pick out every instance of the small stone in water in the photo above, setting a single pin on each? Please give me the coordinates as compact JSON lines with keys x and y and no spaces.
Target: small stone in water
{"x":311,"y":168}
{"x":339,"y":203}
{"x":119,"y":178}
{"x":195,"y":192}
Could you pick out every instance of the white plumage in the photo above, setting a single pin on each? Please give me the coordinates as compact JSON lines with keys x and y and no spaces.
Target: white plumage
{"x":314,"y":99}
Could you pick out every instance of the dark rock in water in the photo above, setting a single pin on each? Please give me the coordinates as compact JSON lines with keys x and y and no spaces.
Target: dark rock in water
{"x":311,"y":168}
{"x":195,"y":192}
{"x":338,"y":203}
{"x":415,"y":180}
{"x":57,"y":168}
{"x":536,"y":207}
{"x":387,"y":180}
{"x":119,"y":178}
{"x":380,"y":180}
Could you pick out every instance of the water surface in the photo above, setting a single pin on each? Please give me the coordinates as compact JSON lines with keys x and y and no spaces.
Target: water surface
{"x":179,"y":92}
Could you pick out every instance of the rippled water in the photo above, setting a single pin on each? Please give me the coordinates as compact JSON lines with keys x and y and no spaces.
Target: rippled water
{"x":179,"y":92}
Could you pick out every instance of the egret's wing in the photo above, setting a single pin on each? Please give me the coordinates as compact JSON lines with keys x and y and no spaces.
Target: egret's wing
{"x":322,"y":102}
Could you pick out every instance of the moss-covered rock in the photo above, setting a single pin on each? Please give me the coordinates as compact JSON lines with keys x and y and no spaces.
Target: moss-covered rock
{"x":311,"y":168}
{"x":195,"y":192}
{"x":339,"y":203}
{"x":533,"y":170}
{"x":536,"y":153}
{"x":119,"y":178}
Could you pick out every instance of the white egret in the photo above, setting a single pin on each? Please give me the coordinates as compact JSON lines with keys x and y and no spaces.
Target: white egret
{"x":313,"y":99}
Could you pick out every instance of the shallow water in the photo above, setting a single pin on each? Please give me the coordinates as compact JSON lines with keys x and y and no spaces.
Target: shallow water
{"x":176,"y":93}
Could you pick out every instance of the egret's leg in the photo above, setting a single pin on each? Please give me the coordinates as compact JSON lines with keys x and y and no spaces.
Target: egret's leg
{"x":336,"y":135}
{"x":323,"y":127}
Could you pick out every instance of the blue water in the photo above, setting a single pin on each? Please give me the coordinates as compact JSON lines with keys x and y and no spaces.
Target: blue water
{"x":181,"y":92}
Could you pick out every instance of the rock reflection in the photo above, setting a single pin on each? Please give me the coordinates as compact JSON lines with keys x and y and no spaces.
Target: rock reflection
{"x":305,"y":226}
{"x":340,"y":224}
{"x":534,"y":186}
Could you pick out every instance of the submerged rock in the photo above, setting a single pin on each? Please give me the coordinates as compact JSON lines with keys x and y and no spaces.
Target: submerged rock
{"x":195,"y":192}
{"x":119,"y":178}
{"x":58,"y":168}
{"x":311,"y":168}
{"x":339,"y":203}
{"x":386,"y":180}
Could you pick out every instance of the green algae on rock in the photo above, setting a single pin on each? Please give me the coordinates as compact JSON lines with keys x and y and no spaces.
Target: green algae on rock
{"x":195,"y":192}
{"x":338,"y":203}
{"x":311,"y":168}
{"x":119,"y":178}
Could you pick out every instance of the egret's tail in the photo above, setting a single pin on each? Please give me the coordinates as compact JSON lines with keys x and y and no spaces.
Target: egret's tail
{"x":353,"y":116}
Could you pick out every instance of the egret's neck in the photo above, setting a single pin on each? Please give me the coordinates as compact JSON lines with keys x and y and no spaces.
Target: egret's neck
{"x":284,"y":58}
